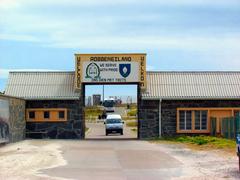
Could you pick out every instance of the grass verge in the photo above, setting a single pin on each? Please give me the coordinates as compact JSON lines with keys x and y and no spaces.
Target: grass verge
{"x":202,"y":142}
{"x":126,"y":118}
{"x":132,"y":123}
{"x":132,"y":112}
{"x":93,"y":111}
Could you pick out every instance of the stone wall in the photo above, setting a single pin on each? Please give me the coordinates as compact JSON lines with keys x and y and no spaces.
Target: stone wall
{"x":149,"y":114}
{"x":73,"y":128}
{"x":148,"y":119}
{"x":16,"y":120}
{"x":169,"y":111}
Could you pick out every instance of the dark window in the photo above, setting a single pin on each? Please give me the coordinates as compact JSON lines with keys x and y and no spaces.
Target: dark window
{"x":31,"y":114}
{"x":204,"y":120}
{"x":188,"y":120}
{"x":185,"y":120}
{"x":46,"y":114}
{"x":201,"y":120}
{"x":197,"y":120}
{"x":182,"y":120}
{"x":61,"y":114}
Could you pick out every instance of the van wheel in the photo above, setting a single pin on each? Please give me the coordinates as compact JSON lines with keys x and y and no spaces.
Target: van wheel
{"x":106,"y":133}
{"x":121,"y":132}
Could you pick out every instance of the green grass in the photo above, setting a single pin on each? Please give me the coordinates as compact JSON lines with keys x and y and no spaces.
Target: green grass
{"x":132,"y":112}
{"x":210,"y":141}
{"x":126,"y":118}
{"x":133,"y":106}
{"x":132,"y":123}
{"x":93,"y":111}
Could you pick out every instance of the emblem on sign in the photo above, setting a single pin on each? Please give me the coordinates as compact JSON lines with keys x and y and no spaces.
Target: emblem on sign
{"x":92,"y":71}
{"x":125,"y":70}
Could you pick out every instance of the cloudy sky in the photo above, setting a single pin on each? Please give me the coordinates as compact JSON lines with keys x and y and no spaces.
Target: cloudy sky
{"x":175,"y":34}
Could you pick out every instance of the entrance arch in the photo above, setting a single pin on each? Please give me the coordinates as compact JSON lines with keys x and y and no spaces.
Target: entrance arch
{"x":111,"y":69}
{"x":138,"y":95}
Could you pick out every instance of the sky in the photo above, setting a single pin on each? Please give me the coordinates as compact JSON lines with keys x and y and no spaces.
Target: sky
{"x":123,"y":92}
{"x":177,"y":35}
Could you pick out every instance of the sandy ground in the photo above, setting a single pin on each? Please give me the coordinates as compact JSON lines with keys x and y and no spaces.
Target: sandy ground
{"x":58,"y":159}
{"x":203,"y":164}
{"x":24,"y":159}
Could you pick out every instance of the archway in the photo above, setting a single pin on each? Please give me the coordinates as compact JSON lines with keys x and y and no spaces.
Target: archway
{"x":93,"y":110}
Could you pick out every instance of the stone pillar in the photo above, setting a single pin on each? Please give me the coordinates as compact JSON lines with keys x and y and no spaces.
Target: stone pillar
{"x":148,"y":119}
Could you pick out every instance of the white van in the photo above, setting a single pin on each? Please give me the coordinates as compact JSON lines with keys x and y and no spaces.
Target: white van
{"x":114,"y":124}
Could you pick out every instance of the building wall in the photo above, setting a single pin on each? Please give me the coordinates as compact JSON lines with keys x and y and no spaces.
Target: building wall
{"x":73,"y":128}
{"x":149,"y":114}
{"x":169,"y":111}
{"x":16,"y":118}
{"x":148,"y":119}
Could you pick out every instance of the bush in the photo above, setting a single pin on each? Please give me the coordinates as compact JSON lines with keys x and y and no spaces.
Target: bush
{"x":199,"y":140}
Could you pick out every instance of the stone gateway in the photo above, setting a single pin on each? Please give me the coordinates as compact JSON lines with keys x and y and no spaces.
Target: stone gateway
{"x":169,"y":103}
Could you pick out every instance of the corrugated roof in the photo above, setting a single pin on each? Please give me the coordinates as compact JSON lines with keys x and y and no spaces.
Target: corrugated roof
{"x":160,"y":85}
{"x":42,"y":85}
{"x":193,"y":85}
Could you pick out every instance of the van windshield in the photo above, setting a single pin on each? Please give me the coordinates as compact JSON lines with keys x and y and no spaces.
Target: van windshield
{"x":108,"y":103}
{"x":113,"y":121}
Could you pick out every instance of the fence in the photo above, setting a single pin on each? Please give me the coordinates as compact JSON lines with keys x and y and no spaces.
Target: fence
{"x":229,"y":127}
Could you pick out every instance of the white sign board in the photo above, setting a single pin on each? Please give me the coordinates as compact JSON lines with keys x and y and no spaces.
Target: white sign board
{"x":110,"y":68}
{"x":115,"y":72}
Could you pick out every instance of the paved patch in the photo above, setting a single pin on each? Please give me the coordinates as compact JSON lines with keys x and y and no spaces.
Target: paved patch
{"x":113,"y":160}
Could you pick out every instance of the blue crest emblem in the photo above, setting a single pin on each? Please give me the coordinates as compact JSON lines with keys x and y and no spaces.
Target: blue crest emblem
{"x":124,"y":70}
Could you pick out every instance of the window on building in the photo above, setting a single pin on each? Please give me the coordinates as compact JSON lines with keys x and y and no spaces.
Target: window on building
{"x":201,"y":120}
{"x":185,"y":120}
{"x":61,"y":114}
{"x":31,"y":114}
{"x":46,"y":115}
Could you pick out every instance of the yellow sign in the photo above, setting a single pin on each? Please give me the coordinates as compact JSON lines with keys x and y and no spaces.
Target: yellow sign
{"x":110,"y":69}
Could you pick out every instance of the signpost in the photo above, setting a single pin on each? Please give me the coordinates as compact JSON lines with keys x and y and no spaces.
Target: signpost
{"x":110,"y":69}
